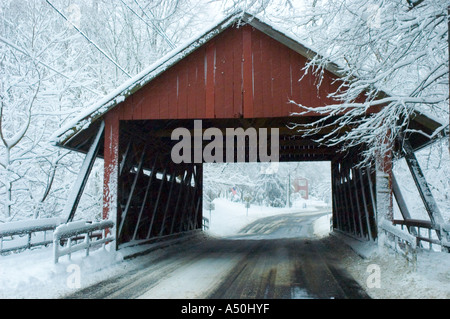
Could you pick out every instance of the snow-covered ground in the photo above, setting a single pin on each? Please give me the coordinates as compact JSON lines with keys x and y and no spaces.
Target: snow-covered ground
{"x":429,"y":278}
{"x":32,"y":274}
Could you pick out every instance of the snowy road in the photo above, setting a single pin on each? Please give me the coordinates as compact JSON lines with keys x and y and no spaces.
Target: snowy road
{"x":273,"y":257}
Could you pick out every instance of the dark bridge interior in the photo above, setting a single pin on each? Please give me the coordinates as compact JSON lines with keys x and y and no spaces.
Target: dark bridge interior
{"x":157,"y":197}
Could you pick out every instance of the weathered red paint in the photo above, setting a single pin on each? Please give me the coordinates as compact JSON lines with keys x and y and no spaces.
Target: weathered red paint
{"x":247,"y":73}
{"x":111,"y":161}
{"x":240,"y":73}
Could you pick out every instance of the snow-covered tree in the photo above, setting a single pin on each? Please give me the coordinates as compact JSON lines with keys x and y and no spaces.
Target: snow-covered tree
{"x":390,"y":53}
{"x":57,"y":57}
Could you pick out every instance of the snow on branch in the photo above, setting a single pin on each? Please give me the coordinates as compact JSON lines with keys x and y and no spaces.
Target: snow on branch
{"x":393,"y":62}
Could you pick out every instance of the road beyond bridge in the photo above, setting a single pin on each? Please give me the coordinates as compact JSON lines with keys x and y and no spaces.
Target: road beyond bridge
{"x":276,"y":257}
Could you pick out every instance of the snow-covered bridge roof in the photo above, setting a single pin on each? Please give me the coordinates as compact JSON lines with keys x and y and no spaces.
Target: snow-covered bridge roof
{"x":82,"y":122}
{"x":98,"y":109}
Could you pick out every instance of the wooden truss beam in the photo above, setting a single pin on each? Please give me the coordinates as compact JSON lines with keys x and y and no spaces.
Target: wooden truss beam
{"x":83,"y":175}
{"x":130,"y":195}
{"x":422,"y":185}
{"x":144,"y":201}
{"x":365,"y":202}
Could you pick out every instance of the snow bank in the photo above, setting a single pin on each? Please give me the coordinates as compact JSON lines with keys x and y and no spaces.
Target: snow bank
{"x":429,"y":278}
{"x":33,"y":274}
{"x":322,"y":226}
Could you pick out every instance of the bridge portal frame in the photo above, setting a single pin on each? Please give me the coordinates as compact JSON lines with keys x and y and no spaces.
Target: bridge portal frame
{"x":244,"y":72}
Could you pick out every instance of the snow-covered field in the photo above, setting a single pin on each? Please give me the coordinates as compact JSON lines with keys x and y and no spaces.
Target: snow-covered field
{"x":32,"y":274}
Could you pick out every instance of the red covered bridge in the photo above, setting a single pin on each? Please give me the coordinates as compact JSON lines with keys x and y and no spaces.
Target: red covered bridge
{"x":241,"y":73}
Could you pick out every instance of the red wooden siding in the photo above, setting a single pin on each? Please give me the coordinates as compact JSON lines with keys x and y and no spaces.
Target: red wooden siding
{"x":241,"y":72}
{"x":111,"y":162}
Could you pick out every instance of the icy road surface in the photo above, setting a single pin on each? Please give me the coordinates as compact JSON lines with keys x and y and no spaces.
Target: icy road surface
{"x":273,"y":257}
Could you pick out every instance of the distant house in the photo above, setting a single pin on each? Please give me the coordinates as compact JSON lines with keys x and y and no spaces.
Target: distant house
{"x":301,"y":186}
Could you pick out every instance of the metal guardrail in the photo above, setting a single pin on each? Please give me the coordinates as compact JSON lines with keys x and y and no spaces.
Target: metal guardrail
{"x":407,"y":243}
{"x":69,"y":234}
{"x":205,"y":223}
{"x":26,"y":234}
{"x":399,"y":241}
{"x":416,"y":227}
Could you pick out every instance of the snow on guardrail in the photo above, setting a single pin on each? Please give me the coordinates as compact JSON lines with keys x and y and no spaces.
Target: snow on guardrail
{"x":399,"y":241}
{"x":410,"y":239}
{"x":12,"y":234}
{"x":71,"y":232}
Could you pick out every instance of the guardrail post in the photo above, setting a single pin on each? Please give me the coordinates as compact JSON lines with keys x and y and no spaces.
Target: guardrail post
{"x":55,"y":250}
{"x":68,"y":232}
{"x":69,"y":246}
{"x":87,"y":242}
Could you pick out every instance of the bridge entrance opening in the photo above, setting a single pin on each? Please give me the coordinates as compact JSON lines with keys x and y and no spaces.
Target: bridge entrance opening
{"x":267,"y":200}
{"x":165,"y":182}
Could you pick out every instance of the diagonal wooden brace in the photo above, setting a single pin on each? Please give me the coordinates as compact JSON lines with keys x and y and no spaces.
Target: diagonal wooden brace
{"x":78,"y":187}
{"x":422,"y":186}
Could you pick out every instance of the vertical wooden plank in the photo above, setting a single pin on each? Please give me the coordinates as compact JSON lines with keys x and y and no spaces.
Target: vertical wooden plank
{"x":295,"y":75}
{"x":227,"y":70}
{"x":334,"y":202}
{"x":266,"y":77}
{"x":337,"y":202}
{"x":182,"y":90}
{"x":153,"y":100}
{"x":111,"y":165}
{"x":142,"y":101}
{"x":285,"y":81}
{"x":275,"y":52}
{"x":219,"y":84}
{"x":127,"y":109}
{"x":121,"y":109}
{"x":258,"y":65}
{"x":200,"y":83}
{"x":164,"y":97}
{"x":191,"y":66}
{"x":237,"y":72}
{"x":247,"y":78}
{"x":172,"y":96}
{"x":210,"y":59}
{"x":343,"y":207}
{"x":310,"y":91}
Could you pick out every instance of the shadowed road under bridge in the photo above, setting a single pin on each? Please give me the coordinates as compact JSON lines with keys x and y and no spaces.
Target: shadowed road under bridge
{"x":274,"y":257}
